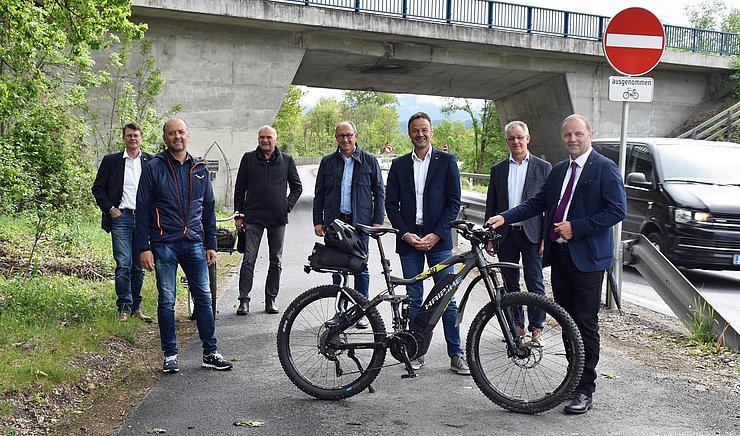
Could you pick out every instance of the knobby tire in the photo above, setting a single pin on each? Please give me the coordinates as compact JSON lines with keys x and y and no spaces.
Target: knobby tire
{"x":302,"y":335}
{"x":543,"y":379}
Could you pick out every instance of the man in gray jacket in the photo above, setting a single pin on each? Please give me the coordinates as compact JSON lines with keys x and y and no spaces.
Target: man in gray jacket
{"x":260,"y":195}
{"x":514,"y":180}
{"x":349,"y":186}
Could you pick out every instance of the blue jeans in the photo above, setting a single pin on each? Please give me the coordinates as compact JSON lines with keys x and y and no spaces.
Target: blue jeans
{"x":413,"y":264}
{"x":362,"y":280}
{"x":129,"y":275}
{"x":253,"y":237}
{"x":191,"y":256}
{"x":517,"y":244}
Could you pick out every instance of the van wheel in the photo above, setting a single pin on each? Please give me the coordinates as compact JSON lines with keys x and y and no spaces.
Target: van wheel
{"x":655,"y":239}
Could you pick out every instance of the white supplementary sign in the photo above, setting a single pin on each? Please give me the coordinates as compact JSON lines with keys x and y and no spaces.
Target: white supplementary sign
{"x":634,"y":89}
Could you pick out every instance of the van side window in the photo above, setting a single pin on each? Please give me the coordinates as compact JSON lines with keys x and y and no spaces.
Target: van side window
{"x":640,"y":161}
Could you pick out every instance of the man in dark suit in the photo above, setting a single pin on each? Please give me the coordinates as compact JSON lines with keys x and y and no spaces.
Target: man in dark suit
{"x":422,"y":197}
{"x":115,"y":189}
{"x":514,"y":180}
{"x":582,"y":199}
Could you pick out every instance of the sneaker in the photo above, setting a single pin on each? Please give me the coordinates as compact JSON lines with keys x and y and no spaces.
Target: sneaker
{"x":123,"y":316}
{"x":458,"y":364}
{"x":139,"y":314}
{"x":362,"y":324}
{"x":417,"y":363}
{"x":170,"y":364}
{"x":216,"y":361}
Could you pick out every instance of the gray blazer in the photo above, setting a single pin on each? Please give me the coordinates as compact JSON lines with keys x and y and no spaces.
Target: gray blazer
{"x":497,"y":200}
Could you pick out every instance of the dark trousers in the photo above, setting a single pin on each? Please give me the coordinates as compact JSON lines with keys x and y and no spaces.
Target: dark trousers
{"x":253,"y":236}
{"x":580,"y":295}
{"x":516,"y":245}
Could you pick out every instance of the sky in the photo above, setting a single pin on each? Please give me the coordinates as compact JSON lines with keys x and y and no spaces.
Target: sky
{"x":668,"y":12}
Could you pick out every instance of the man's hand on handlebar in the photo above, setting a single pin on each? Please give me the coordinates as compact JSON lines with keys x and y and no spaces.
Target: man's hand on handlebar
{"x":496,"y":221}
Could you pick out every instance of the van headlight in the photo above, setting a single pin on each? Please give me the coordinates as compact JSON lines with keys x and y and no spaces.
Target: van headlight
{"x":685,"y":216}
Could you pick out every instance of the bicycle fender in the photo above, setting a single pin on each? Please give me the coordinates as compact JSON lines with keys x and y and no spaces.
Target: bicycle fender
{"x":464,"y":300}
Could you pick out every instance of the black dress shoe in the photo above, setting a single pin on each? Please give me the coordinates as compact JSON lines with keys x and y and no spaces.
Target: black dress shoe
{"x":243,"y":308}
{"x":579,"y":404}
{"x":271,"y":307}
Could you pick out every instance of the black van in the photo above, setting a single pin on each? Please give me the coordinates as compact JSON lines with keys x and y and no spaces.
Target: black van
{"x":684,"y":195}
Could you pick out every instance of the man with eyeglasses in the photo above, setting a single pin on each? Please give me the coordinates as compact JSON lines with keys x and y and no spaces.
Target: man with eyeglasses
{"x":349,"y":186}
{"x":514,"y":180}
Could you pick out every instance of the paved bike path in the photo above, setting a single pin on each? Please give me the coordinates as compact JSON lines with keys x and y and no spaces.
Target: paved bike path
{"x":637,"y":401}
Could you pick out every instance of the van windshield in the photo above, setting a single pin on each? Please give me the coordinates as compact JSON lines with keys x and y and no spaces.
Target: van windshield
{"x":705,"y":163}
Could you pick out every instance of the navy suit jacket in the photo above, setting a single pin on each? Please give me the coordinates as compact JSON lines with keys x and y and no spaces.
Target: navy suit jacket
{"x":441,"y":198}
{"x":598,"y":202}
{"x":108,"y":186}
{"x":497,"y":199}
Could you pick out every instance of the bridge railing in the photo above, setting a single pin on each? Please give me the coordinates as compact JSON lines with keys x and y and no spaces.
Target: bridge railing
{"x":530,"y":19}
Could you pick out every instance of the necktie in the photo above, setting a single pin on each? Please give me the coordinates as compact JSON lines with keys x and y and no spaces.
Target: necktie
{"x":560,"y":211}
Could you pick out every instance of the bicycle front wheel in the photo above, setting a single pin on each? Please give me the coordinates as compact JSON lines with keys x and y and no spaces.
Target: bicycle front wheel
{"x":546,"y":372}
{"x":324,"y":365}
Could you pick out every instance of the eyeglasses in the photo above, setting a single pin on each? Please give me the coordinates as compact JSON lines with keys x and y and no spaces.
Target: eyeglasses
{"x":516,"y":138}
{"x":344,"y":136}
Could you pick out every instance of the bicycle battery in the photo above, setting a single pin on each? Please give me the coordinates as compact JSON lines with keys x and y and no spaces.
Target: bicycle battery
{"x":430,"y":313}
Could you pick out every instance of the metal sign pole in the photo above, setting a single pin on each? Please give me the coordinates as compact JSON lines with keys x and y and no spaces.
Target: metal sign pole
{"x":618,"y":248}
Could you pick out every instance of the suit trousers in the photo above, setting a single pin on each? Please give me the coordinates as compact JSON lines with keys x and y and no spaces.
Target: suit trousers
{"x":580,"y":295}
{"x":253,"y":236}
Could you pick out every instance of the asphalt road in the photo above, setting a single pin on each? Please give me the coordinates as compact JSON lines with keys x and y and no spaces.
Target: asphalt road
{"x":633,"y":400}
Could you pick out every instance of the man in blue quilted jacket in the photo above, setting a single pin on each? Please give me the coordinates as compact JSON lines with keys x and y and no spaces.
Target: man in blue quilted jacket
{"x":175,"y":208}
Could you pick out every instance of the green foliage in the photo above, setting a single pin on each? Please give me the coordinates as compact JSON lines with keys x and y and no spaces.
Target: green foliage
{"x":319,"y":124}
{"x":288,"y":119}
{"x":487,"y":138}
{"x":357,"y":99}
{"x":704,"y":15}
{"x":701,"y":323}
{"x":56,"y":299}
{"x":44,"y":46}
{"x":43,"y":169}
{"x":123,"y":94}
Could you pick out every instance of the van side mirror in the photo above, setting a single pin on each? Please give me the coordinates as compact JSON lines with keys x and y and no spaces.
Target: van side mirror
{"x":638,"y":180}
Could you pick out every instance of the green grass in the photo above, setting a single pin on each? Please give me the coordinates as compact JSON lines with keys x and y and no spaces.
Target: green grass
{"x":701,"y":323}
{"x":63,"y":308}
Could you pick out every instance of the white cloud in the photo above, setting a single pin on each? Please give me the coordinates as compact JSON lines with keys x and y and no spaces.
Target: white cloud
{"x":313,"y":95}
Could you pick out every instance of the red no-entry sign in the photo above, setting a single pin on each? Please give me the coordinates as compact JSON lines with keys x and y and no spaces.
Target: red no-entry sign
{"x":634,"y":41}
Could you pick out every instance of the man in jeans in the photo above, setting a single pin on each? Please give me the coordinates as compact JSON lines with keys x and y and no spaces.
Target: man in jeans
{"x":174,"y":203}
{"x":114,"y":190}
{"x":349,"y":186}
{"x":422,"y":197}
{"x":260,"y":195}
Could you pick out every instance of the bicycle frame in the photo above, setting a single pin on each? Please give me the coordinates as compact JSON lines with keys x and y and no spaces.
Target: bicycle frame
{"x":436,"y":302}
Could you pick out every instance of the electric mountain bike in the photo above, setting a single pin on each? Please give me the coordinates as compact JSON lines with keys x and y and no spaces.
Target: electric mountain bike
{"x":324,"y":354}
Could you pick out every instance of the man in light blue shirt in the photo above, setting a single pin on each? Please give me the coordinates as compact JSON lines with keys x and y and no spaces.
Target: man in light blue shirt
{"x":349,"y":186}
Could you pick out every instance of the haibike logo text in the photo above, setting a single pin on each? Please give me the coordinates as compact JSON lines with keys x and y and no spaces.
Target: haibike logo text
{"x":451,"y":287}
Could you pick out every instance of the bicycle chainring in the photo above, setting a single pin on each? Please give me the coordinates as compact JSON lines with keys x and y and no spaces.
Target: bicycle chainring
{"x":404,"y":339}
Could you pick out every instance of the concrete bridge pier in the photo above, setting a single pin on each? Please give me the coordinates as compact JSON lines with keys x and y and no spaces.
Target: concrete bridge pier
{"x":229,"y":81}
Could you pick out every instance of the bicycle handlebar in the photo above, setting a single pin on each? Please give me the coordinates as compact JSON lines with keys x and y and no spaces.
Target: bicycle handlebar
{"x":475,"y":232}
{"x":228,"y":218}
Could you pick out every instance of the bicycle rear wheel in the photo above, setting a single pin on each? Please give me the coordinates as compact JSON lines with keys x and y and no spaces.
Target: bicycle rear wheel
{"x":308,"y":352}
{"x":548,"y":371}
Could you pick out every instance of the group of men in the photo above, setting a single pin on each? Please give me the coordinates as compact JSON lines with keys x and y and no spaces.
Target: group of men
{"x":557,"y":216}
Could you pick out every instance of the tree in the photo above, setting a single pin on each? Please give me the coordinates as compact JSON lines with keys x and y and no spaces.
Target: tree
{"x":487,"y":141}
{"x":125,"y":95}
{"x":376,"y":118}
{"x":704,"y":15}
{"x":45,"y":46}
{"x":357,"y":99}
{"x":318,"y":127}
{"x":288,"y":119}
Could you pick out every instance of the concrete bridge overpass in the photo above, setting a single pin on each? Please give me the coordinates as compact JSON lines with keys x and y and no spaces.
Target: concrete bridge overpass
{"x":229,"y":64}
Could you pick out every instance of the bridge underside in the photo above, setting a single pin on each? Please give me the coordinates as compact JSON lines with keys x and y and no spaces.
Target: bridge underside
{"x":230,"y":70}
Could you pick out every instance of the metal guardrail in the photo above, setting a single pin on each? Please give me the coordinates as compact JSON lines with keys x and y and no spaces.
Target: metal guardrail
{"x":530,"y":19}
{"x":718,"y":125}
{"x":677,"y":292}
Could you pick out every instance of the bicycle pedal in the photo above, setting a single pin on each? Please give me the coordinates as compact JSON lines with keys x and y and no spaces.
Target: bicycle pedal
{"x":411,"y":375}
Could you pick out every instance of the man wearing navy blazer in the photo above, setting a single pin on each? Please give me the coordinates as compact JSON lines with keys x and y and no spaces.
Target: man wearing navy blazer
{"x":514,"y":180}
{"x":114,"y":189}
{"x":582,"y":199}
{"x":422,"y":197}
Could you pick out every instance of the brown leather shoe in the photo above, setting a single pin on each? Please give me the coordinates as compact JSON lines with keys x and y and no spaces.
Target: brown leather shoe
{"x":139,"y":314}
{"x":123,"y":316}
{"x":537,"y":336}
